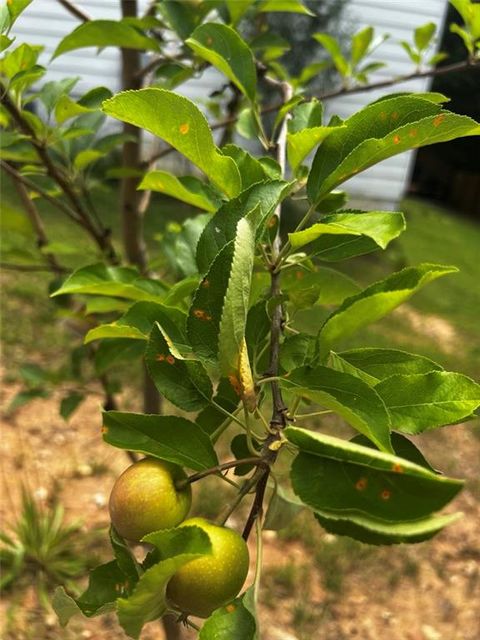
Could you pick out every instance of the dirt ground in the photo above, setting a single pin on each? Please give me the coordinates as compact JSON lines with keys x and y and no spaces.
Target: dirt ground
{"x":423,"y":592}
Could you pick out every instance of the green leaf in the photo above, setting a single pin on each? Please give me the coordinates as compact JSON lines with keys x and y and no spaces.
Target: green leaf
{"x":148,"y":600}
{"x":16,"y":7}
{"x":224,"y":49}
{"x":216,"y":323}
{"x":422,"y":401}
{"x":187,"y":189}
{"x":464,"y":35}
{"x":378,"y":364}
{"x":372,"y":531}
{"x":111,"y":352}
{"x":345,"y":478}
{"x":287,"y":6}
{"x":319,"y":286}
{"x":379,"y":131}
{"x":66,"y":108}
{"x":86,"y":157}
{"x":123,"y":555}
{"x":238,"y":8}
{"x":380,"y":226}
{"x":105,"y":584}
{"x":333,"y":47}
{"x":236,"y":300}
{"x":377,"y":300}
{"x":360,"y":44}
{"x":282,"y":509}
{"x":182,"y":125}
{"x":306,"y":115}
{"x":123,"y":282}
{"x":166,"y":437}
{"x":346,"y":395}
{"x":70,"y":403}
{"x":423,"y":35}
{"x":297,"y":351}
{"x":239,"y":448}
{"x":183,"y":382}
{"x":183,"y":17}
{"x":105,"y":33}
{"x":300,"y":144}
{"x":257,"y":203}
{"x":24,"y":397}
{"x":233,"y":621}
{"x":251,"y":170}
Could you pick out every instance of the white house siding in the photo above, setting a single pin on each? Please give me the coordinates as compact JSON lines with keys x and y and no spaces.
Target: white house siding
{"x":387,"y":181}
{"x":45,"y":22}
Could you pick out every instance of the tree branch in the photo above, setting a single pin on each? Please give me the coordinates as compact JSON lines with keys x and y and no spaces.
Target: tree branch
{"x":74,"y":10}
{"x":278,"y":420}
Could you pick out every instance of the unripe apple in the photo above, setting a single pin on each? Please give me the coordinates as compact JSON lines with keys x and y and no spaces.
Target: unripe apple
{"x":145,"y":499}
{"x":204,"y":584}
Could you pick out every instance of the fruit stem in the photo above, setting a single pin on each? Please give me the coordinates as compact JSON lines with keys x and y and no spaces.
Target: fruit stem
{"x":181,"y":484}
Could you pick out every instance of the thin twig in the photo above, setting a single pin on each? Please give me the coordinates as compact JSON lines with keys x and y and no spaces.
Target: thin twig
{"x":74,"y":10}
{"x":218,"y":469}
{"x":38,"y":227}
{"x":32,"y":267}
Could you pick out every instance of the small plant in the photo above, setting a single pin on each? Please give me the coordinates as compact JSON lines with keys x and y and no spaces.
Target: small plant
{"x":40,"y":549}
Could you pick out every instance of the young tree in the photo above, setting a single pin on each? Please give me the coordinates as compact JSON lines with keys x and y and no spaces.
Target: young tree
{"x":221,"y":342}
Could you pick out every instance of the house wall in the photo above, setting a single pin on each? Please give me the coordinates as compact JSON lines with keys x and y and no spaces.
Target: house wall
{"x":45,"y":22}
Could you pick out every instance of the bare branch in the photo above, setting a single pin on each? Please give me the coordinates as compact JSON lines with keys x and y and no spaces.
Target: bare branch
{"x":74,"y":10}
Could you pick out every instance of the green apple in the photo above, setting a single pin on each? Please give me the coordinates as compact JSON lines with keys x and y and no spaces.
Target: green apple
{"x":204,"y":584}
{"x":145,"y":499}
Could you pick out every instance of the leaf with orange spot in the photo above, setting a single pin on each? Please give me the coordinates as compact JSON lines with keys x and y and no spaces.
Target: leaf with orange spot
{"x":345,"y":478}
{"x":142,"y":108}
{"x":380,"y":131}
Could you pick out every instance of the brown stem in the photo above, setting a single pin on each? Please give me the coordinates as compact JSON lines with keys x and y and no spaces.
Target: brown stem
{"x":255,"y":460}
{"x":132,"y":217}
{"x":74,"y":10}
{"x":278,"y":420}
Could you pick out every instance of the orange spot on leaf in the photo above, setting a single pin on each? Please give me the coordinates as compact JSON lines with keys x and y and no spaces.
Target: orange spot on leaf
{"x":386,"y":494}
{"x":413,"y":133}
{"x":205,"y":283}
{"x":184,"y":128}
{"x":160,"y":357}
{"x":272,"y":222}
{"x":361,"y":484}
{"x":299,"y":275}
{"x":170,"y":359}
{"x":235,"y":382}
{"x":395,"y":115}
{"x":383,"y":116}
{"x":397,"y":468}
{"x":438,"y":120}
{"x":230,"y":608}
{"x":396,"y":140}
{"x":104,"y":429}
